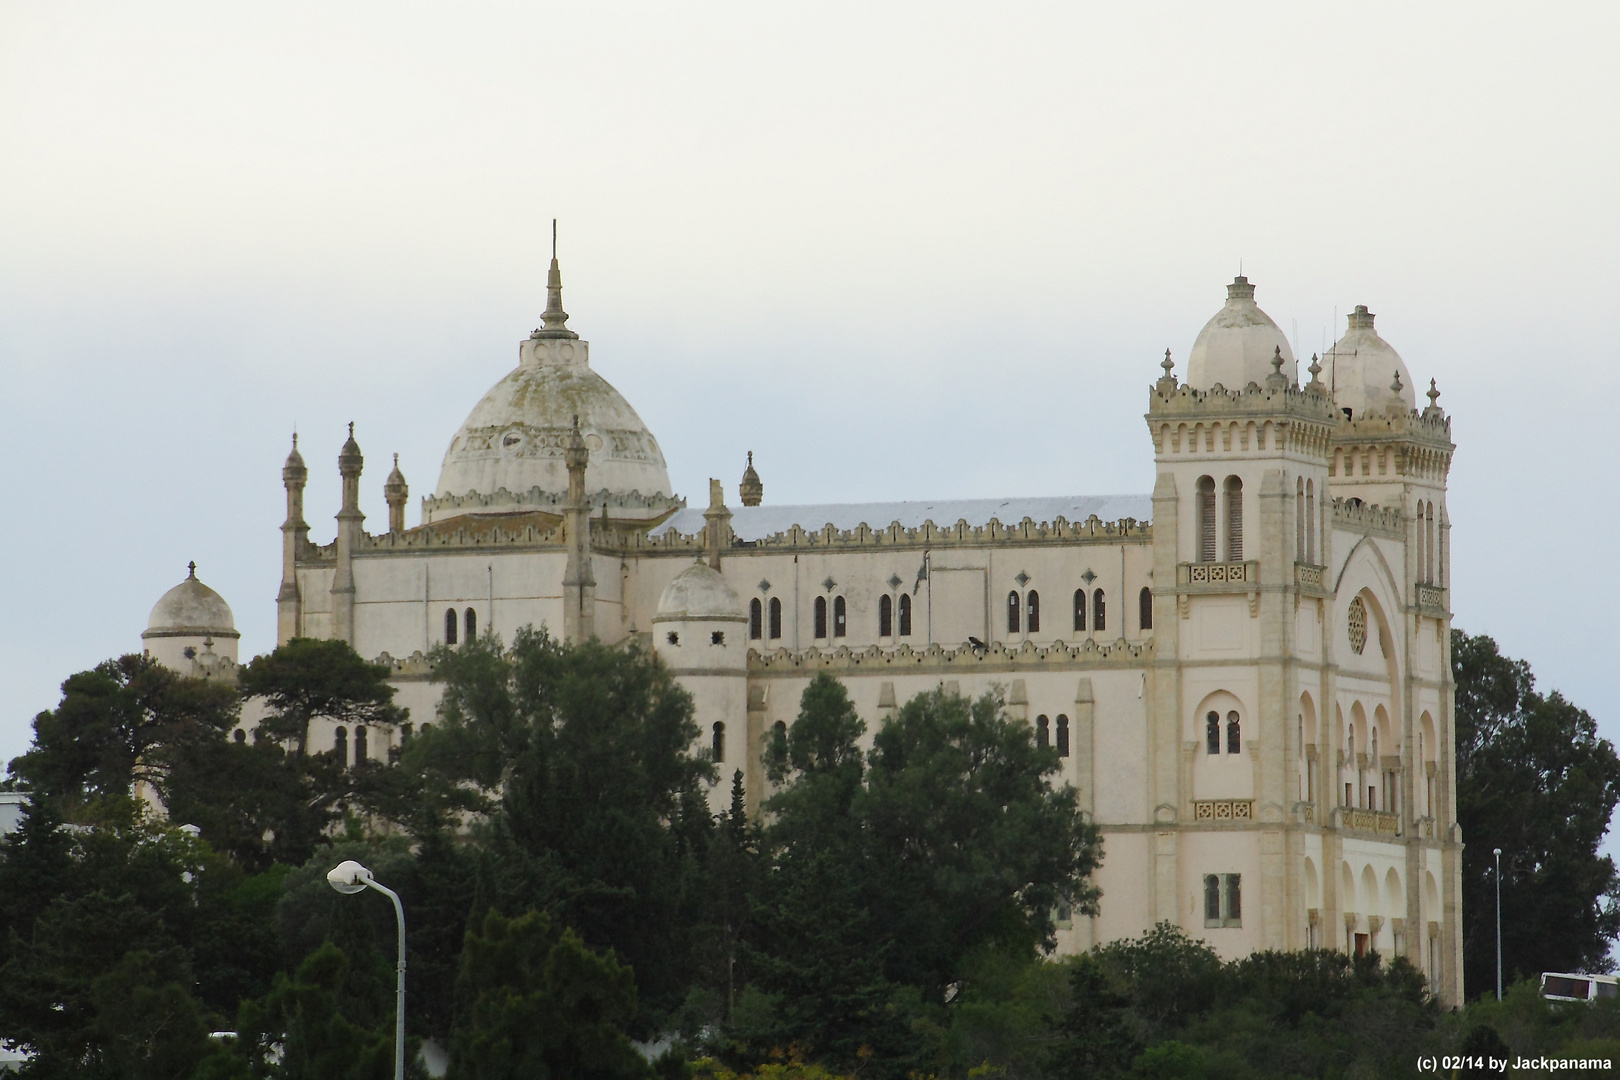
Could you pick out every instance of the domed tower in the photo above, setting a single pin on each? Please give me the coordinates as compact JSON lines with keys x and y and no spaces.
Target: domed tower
{"x":510,"y":454}
{"x":1365,"y":374}
{"x":1237,"y":345}
{"x":191,"y":630}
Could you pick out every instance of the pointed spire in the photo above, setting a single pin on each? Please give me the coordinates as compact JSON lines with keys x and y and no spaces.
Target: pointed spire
{"x":350,"y":460}
{"x":554,"y":323}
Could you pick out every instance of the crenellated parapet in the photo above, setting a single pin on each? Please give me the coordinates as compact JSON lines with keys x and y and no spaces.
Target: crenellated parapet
{"x":1367,"y":518}
{"x":1405,"y":445}
{"x":1278,"y":416}
{"x":647,"y":510}
{"x":927,"y":535}
{"x":995,"y":658}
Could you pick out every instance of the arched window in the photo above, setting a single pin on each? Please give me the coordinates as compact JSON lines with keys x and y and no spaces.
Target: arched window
{"x":1212,"y":900}
{"x":885,"y":616}
{"x":905,"y":615}
{"x":1012,"y":613}
{"x":340,"y":746}
{"x":1299,"y":519}
{"x":1032,"y":611}
{"x":1212,"y":733}
{"x":472,"y":625}
{"x":360,"y":749}
{"x":1043,"y":731}
{"x":1206,"y":519}
{"x":779,"y":744}
{"x":1428,"y":548}
{"x":717,"y":749}
{"x":1099,"y":611}
{"x":1234,"y":736}
{"x":1234,"y":519}
{"x":756,"y":620}
{"x":1063,"y":735}
{"x":450,"y":624}
{"x":1144,"y":602}
{"x":821,"y":617}
{"x":240,"y":736}
{"x":840,"y":625}
{"x":776,"y":618}
{"x":1080,"y":611}
{"x":1310,"y":521}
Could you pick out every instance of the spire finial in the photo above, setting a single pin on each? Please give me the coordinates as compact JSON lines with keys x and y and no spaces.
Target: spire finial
{"x":1396,"y":385}
{"x":396,"y":459}
{"x":295,"y":438}
{"x":192,"y":567}
{"x":1168,"y":363}
{"x":554,"y":323}
{"x":553,"y":239}
{"x":1433,"y":395}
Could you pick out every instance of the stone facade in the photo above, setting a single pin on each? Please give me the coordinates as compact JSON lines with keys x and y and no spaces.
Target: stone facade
{"x":1246,"y":672}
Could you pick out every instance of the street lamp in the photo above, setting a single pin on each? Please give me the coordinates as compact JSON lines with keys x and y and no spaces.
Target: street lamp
{"x":1498,"y":853}
{"x":349,"y":878}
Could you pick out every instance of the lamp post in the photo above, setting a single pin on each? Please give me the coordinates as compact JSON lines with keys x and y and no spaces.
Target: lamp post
{"x":349,"y":878}
{"x":1498,"y":853}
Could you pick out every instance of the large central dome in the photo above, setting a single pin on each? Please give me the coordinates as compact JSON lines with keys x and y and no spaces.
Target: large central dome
{"x":514,"y":438}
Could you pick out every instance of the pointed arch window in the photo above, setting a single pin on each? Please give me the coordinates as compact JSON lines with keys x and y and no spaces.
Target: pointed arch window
{"x":820,"y":628}
{"x":1299,"y":519}
{"x":1080,"y":611}
{"x":1310,"y":522}
{"x":1428,"y":548}
{"x":361,"y":751}
{"x":1212,"y":734}
{"x":1012,"y":613}
{"x":885,"y":616}
{"x":1032,"y":611}
{"x":756,"y":620}
{"x":1234,"y":734}
{"x":1206,"y":519}
{"x":717,"y":743}
{"x":1099,"y":611}
{"x":1062,"y":735}
{"x":1234,"y":519}
{"x":1043,"y":732}
{"x":472,"y":625}
{"x":776,"y":618}
{"x":840,"y":623}
{"x":1144,"y":603}
{"x":451,"y":625}
{"x":905,"y":615}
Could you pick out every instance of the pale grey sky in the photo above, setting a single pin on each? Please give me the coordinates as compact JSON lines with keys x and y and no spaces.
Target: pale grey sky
{"x":898,"y":250}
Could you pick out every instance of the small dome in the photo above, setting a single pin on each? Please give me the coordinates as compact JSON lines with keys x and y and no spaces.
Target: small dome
{"x":1362,"y":369}
{"x":699,"y":593}
{"x":191,"y":609}
{"x":1236,"y":347}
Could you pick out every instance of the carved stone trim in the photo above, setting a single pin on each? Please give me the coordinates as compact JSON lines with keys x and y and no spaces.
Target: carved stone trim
{"x":1223,"y":809}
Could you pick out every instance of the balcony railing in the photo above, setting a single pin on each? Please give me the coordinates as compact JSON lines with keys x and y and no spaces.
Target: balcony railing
{"x":1373,"y":821}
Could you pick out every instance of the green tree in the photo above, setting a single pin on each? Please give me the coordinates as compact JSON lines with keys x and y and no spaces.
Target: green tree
{"x":1536,"y":780}
{"x":307,"y":679}
{"x":302,"y":1023}
{"x":541,"y":1005}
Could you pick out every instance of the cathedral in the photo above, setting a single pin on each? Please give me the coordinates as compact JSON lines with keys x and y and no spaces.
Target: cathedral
{"x":1245,"y":673}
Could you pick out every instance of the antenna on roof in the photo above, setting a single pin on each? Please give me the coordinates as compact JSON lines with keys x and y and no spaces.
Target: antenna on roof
{"x":553,"y":238}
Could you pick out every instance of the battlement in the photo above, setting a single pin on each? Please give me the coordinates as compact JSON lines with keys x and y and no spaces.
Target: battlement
{"x":1279,"y":417}
{"x":649,"y":509}
{"x":928,"y":534}
{"x":995,"y":658}
{"x":1410,"y":444}
{"x":1366,"y":517}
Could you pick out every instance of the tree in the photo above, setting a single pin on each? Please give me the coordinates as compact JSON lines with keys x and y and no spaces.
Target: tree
{"x":124,"y":721}
{"x":542,"y":1005}
{"x":1536,"y":780}
{"x":306,"y":679}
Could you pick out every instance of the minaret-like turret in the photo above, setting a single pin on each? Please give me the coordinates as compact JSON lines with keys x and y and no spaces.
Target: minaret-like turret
{"x":716,"y":525}
{"x":751,"y":490}
{"x":294,"y":534}
{"x":395,"y":492}
{"x":579,"y":582}
{"x":349,"y":519}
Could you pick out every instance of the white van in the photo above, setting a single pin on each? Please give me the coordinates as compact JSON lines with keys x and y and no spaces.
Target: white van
{"x":1561,"y":986}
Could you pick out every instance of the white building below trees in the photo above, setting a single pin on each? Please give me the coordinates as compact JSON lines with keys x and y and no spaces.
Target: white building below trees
{"x":1245,"y":673}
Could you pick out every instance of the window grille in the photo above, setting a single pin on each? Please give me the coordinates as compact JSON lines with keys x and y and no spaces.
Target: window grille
{"x":1234,"y":519}
{"x":1099,"y":611}
{"x":1234,"y":737}
{"x":1223,"y":900}
{"x":1212,"y":733}
{"x":1206,"y":519}
{"x":1080,"y":610}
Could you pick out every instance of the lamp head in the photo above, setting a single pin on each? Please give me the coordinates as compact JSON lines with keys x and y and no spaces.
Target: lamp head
{"x":348,"y":877}
{"x":1497,"y":852}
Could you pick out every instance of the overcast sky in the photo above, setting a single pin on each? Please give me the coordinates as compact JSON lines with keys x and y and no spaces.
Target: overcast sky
{"x":897,"y":250}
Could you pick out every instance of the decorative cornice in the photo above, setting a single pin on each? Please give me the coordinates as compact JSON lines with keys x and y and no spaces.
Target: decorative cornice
{"x":995,"y":658}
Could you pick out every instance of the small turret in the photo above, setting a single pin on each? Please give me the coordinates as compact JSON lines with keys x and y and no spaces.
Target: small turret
{"x":395,"y":492}
{"x":294,"y":533}
{"x":751,"y":490}
{"x":717,"y":524}
{"x":350,"y":464}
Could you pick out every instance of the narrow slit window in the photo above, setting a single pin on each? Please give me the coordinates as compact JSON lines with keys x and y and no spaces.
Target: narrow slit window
{"x":1234,"y":519}
{"x":451,"y":625}
{"x":717,"y":746}
{"x":340,"y":746}
{"x":1299,"y":520}
{"x":1062,"y":735}
{"x":1043,"y":732}
{"x":776,"y":618}
{"x":1099,"y":611}
{"x":1310,"y":521}
{"x":885,"y":616}
{"x":756,"y":620}
{"x":905,"y":615}
{"x":1032,"y":611}
{"x":1234,"y":734}
{"x":840,"y":624}
{"x":472,"y":625}
{"x":1212,"y":900}
{"x":1212,"y":733}
{"x":361,"y":751}
{"x":1012,"y":613}
{"x":1080,"y":611}
{"x":1206,"y":519}
{"x":821,"y":617}
{"x":1144,"y":603}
